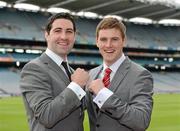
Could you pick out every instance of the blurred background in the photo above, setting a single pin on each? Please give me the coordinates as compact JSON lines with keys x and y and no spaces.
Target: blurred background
{"x":153,"y":41}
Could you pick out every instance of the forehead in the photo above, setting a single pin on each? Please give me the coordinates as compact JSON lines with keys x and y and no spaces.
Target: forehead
{"x":109,"y":32}
{"x":62,"y":23}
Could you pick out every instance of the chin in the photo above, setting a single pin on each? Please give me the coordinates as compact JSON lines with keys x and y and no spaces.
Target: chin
{"x":108,"y":61}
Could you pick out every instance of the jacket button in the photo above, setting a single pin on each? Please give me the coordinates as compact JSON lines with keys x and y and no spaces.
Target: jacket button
{"x":97,"y":125}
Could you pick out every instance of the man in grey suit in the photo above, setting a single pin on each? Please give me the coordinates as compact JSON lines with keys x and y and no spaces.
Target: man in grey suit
{"x":53,"y":98}
{"x":120,"y":91}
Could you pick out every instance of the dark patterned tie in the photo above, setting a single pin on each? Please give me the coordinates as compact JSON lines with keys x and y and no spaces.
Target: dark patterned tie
{"x":106,"y":78}
{"x":64,"y":64}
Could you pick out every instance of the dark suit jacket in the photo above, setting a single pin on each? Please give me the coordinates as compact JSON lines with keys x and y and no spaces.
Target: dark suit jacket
{"x":50,"y":105}
{"x":130,"y":107}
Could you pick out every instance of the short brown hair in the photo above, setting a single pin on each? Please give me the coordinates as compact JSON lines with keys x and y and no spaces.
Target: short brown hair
{"x":61,"y":15}
{"x":109,"y":23}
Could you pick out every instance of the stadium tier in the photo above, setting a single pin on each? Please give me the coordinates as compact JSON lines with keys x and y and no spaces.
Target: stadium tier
{"x":164,"y":82}
{"x":9,"y":82}
{"x":155,"y":47}
{"x":15,"y":24}
{"x":83,"y":59}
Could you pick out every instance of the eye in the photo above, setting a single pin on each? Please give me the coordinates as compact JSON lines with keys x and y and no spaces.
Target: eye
{"x":115,"y":38}
{"x":57,"y":30}
{"x":69,"y":31}
{"x":103,"y":39}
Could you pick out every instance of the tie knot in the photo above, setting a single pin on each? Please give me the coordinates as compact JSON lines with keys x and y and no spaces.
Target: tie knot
{"x":64,"y":64}
{"x":108,"y":70}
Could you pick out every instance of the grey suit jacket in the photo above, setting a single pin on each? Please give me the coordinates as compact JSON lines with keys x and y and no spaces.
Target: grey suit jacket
{"x":49,"y":104}
{"x":130,"y":107}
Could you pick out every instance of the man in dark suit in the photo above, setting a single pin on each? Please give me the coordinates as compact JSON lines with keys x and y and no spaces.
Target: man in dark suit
{"x":53,"y":98}
{"x":120,"y":91}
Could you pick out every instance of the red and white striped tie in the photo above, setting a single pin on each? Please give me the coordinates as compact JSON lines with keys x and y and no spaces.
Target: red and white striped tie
{"x":106,"y":78}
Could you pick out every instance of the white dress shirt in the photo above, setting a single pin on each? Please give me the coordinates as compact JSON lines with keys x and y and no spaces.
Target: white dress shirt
{"x":105,"y":93}
{"x":73,"y":86}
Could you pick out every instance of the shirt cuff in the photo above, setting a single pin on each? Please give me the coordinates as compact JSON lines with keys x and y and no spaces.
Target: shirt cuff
{"x":102,"y":96}
{"x":77,"y":90}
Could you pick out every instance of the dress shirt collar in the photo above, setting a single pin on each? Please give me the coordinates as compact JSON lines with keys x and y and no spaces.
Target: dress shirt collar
{"x":57,"y":59}
{"x":114,"y":67}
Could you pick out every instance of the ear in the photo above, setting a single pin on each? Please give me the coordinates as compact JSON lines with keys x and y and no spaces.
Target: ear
{"x":75,"y":34}
{"x":46,"y":35}
{"x":97,"y":44}
{"x":124,"y":42}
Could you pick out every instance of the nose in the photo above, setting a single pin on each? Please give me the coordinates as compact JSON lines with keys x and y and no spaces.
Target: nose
{"x":63,"y":35}
{"x":108,"y":44}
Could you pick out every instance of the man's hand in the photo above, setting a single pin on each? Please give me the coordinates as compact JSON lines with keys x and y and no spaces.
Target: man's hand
{"x":80,"y":77}
{"x":95,"y":86}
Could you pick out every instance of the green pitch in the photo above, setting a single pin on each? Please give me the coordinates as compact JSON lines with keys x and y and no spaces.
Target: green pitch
{"x":166,"y":113}
{"x":165,"y":117}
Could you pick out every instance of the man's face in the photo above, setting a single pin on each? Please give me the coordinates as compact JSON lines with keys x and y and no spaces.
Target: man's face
{"x":110,"y":44}
{"x":61,"y":37}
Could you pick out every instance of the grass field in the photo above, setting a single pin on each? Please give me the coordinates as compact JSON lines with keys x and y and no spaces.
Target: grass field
{"x":165,"y":117}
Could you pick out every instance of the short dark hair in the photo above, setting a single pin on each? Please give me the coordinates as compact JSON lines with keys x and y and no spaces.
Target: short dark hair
{"x":61,"y":15}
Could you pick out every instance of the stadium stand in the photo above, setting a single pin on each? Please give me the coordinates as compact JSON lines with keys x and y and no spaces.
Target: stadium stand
{"x":153,"y":46}
{"x":21,"y":25}
{"x":166,"y":82}
{"x":153,"y":36}
{"x":23,"y":57}
{"x":9,"y":82}
{"x":16,"y":24}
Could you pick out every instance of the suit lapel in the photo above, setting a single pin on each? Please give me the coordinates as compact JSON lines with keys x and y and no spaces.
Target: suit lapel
{"x":53,"y":66}
{"x":120,"y":74}
{"x":94,"y":75}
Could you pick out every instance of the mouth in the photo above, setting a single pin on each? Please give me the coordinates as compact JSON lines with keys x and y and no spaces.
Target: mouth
{"x":109,"y":51}
{"x":63,"y":43}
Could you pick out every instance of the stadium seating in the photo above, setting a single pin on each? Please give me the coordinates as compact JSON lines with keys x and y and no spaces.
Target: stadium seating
{"x":164,"y":82}
{"x":23,"y":57}
{"x":9,"y":82}
{"x":21,"y":25}
{"x":16,"y":24}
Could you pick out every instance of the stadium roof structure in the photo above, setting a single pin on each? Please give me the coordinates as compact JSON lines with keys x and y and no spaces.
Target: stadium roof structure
{"x":124,"y":8}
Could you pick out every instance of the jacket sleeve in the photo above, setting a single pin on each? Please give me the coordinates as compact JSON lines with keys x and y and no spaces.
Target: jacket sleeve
{"x":135,"y":114}
{"x":36,"y":89}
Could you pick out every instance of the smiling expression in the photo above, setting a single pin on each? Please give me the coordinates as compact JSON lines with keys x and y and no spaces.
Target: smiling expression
{"x":110,"y":43}
{"x":61,"y":37}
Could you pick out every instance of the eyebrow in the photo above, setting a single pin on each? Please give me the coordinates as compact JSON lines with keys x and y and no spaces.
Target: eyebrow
{"x":70,"y":29}
{"x":62,"y":28}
